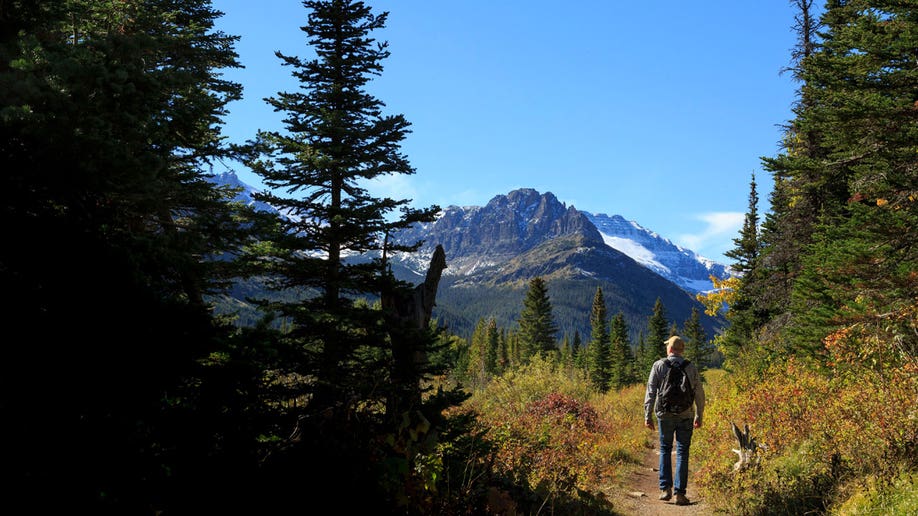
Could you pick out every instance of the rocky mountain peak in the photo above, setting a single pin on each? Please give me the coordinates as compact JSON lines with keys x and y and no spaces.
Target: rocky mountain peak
{"x":507,"y":226}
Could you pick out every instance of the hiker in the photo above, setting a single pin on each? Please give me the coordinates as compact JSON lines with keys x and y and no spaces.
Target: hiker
{"x":678,"y":420}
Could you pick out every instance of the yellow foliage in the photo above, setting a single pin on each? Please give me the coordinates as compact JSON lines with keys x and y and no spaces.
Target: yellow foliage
{"x":723,"y":293}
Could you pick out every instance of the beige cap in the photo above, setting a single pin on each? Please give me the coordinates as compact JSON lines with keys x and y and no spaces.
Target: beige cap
{"x":676,"y":343}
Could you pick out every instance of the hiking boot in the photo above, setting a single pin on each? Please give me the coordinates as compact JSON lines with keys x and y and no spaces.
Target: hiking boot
{"x":666,"y":494}
{"x":681,"y":499}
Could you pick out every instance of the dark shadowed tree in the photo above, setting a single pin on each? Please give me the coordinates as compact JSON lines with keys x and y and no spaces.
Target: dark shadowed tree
{"x":697,"y":347}
{"x":111,"y":115}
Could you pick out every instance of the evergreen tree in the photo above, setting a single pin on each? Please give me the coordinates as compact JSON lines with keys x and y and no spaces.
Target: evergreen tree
{"x":492,"y":347}
{"x":477,"y":365}
{"x":845,"y":176}
{"x":579,"y":351}
{"x":746,"y":313}
{"x":622,"y":359}
{"x":504,"y":352}
{"x":599,"y":351}
{"x":658,"y":331}
{"x":746,"y":251}
{"x":789,"y":223}
{"x":348,"y":359}
{"x":859,"y":270}
{"x":336,"y":139}
{"x":485,"y":351}
{"x":645,"y":357}
{"x":537,"y":326}
{"x":697,"y":348}
{"x":567,"y":355}
{"x":513,"y":348}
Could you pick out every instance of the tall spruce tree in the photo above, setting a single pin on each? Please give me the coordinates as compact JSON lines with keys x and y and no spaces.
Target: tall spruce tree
{"x":794,"y":205}
{"x":745,"y":253}
{"x":579,"y":351}
{"x":342,"y":357}
{"x":746,"y":312}
{"x":537,"y":325}
{"x":599,"y":352}
{"x":336,"y":139}
{"x":567,"y":356}
{"x":504,"y":352}
{"x":478,"y":352}
{"x":493,"y":341}
{"x":645,"y":356}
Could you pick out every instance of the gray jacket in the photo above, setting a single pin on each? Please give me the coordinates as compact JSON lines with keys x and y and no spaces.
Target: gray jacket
{"x":657,"y":372}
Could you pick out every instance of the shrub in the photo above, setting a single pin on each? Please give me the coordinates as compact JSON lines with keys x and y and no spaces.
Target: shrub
{"x":547,"y":440}
{"x":821,"y":428}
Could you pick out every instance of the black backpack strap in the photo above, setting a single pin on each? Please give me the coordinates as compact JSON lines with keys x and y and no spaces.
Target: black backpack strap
{"x":681,"y":366}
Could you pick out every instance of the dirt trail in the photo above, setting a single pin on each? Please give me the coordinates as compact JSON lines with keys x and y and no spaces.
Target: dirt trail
{"x":640,"y":494}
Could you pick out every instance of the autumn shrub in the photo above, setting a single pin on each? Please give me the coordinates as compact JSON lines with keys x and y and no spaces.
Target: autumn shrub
{"x":512,"y":392}
{"x":821,"y":429}
{"x":546,"y":436}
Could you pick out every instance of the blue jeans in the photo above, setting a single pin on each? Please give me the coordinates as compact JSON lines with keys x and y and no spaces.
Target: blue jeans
{"x":682,"y":430}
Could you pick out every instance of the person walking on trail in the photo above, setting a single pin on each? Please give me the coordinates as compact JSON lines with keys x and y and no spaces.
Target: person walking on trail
{"x":675,"y":394}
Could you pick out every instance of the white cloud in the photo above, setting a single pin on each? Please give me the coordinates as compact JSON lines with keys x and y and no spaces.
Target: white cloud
{"x":716,"y":236}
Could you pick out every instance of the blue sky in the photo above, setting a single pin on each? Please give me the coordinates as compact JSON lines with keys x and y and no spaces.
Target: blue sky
{"x":655,"y":111}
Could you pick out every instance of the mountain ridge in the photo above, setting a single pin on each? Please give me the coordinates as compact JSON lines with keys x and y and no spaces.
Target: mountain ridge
{"x":494,"y":250}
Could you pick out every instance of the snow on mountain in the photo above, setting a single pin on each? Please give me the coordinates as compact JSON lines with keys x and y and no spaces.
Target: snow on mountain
{"x":677,"y":264}
{"x":246,"y":193}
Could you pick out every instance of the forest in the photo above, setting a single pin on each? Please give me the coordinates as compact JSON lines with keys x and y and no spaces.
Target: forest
{"x":124,"y":392}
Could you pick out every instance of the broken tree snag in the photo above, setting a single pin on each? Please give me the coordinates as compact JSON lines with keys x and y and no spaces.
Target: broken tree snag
{"x":408,"y":313}
{"x":415,"y":308}
{"x":747,"y":447}
{"x":427,"y":291}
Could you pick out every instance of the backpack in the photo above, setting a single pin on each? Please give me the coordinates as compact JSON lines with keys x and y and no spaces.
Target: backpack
{"x":676,"y":392}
